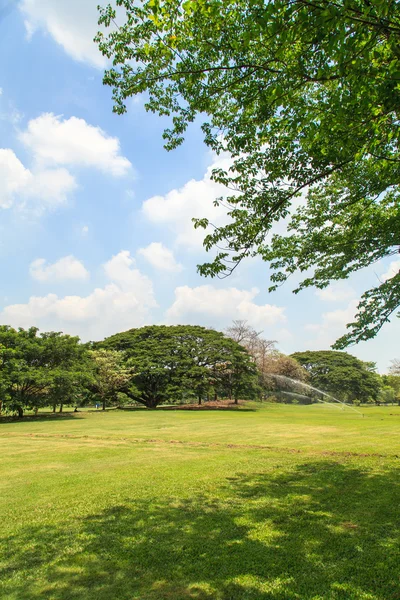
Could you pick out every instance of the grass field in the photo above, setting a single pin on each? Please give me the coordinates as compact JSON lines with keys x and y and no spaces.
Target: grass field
{"x":273,"y":502}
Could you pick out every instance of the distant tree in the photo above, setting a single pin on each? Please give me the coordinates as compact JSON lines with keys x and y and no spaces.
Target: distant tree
{"x":392,"y":381}
{"x":183,"y":359}
{"x":394,"y":368}
{"x":24,"y":379}
{"x":111,"y":374}
{"x":268,"y":360}
{"x":387,"y":395}
{"x":340,"y":374}
{"x":69,"y":369}
{"x":38,"y":369}
{"x":280,"y":364}
{"x":238,"y":376}
{"x":243,"y":333}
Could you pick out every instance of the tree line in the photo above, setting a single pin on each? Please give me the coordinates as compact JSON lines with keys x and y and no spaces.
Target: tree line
{"x":178,"y":364}
{"x":150,"y":366}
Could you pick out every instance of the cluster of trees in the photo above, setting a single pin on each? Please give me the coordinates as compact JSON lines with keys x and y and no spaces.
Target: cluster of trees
{"x":151,"y":365}
{"x":339,"y":374}
{"x":162,"y":364}
{"x":36,"y":370}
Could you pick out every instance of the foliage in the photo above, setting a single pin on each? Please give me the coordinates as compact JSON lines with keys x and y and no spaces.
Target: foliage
{"x":111,"y":375}
{"x":304,"y":96}
{"x":340,"y":374}
{"x":171,"y":362}
{"x":393,"y":381}
{"x":387,"y":395}
{"x":36,"y":370}
{"x":277,"y":366}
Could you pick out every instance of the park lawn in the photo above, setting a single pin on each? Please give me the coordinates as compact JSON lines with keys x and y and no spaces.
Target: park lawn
{"x":277,"y":502}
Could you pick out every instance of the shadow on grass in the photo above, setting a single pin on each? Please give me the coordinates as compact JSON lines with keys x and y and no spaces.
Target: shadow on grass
{"x":39,"y":417}
{"x":324,"y":530}
{"x":189,"y":407}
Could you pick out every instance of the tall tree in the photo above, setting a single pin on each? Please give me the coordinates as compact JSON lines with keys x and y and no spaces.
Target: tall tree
{"x":340,"y":374}
{"x":244,"y":334}
{"x":304,"y":95}
{"x":394,"y":368}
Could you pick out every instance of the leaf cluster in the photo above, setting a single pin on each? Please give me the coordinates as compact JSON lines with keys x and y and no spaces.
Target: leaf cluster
{"x":304,"y":95}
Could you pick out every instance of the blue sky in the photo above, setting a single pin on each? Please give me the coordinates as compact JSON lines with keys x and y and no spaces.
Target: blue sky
{"x":95,"y":230}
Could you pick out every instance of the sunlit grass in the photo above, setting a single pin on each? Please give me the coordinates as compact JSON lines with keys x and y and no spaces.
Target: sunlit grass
{"x":281,"y":502}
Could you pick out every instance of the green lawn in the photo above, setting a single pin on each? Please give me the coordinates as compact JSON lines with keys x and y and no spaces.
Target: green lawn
{"x":274,"y":502}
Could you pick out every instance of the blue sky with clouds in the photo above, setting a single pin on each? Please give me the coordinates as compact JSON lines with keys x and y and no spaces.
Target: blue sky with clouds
{"x":95,"y":230}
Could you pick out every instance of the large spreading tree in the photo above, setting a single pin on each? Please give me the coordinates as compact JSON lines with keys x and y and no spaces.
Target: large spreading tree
{"x":170,"y":363}
{"x":304,"y":95}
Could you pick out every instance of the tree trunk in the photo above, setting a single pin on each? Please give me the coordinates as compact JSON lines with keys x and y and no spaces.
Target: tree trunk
{"x":199,"y":400}
{"x":215,"y":397}
{"x":36,"y":410}
{"x":61,"y":408}
{"x":104,"y":404}
{"x":54,"y":407}
{"x":20,"y":412}
{"x":151,"y":403}
{"x":236,"y":401}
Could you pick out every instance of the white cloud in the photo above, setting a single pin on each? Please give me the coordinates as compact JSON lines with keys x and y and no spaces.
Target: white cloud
{"x":393,"y":269}
{"x":123,"y":303}
{"x":194,"y":200}
{"x":13,"y":177}
{"x":73,"y":142}
{"x":219,"y":307}
{"x":332,"y":326}
{"x":85,"y":230}
{"x":160,"y":257}
{"x":71,"y":23}
{"x":54,"y":144}
{"x":336,"y":292}
{"x":47,"y":187}
{"x":65,"y":268}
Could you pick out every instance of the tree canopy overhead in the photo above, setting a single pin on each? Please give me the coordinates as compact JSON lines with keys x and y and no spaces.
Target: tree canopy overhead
{"x":305,"y":97}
